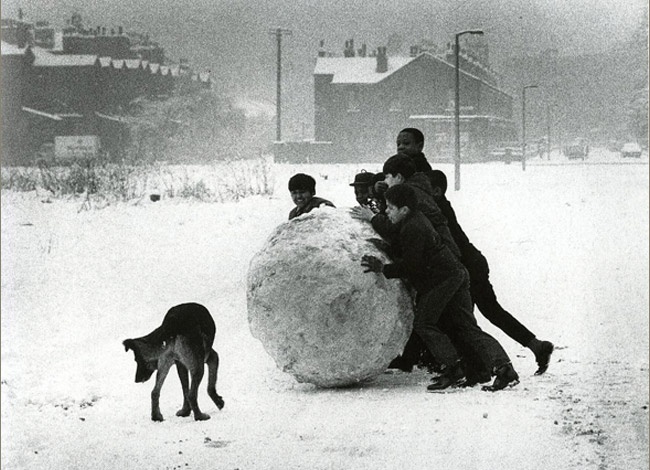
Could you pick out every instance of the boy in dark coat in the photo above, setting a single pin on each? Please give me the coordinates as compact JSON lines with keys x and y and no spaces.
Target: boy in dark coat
{"x":400,"y":169}
{"x":303,"y":193}
{"x":443,"y":303}
{"x":480,"y":287}
{"x":411,"y":142}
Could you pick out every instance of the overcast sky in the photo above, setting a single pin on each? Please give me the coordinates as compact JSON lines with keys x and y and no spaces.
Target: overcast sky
{"x":510,"y":25}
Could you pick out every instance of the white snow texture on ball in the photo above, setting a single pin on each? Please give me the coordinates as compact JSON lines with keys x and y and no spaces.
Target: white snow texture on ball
{"x":318,"y":315}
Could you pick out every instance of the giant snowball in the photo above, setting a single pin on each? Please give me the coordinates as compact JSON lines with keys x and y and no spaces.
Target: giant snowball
{"x":319,"y":316}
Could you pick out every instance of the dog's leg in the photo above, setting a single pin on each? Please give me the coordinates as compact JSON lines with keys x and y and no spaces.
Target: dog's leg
{"x":185,"y":383}
{"x":163,"y":368}
{"x":213,"y":367}
{"x":197,"y":376}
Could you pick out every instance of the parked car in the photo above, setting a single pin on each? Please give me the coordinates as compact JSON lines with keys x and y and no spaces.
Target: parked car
{"x":631,"y":149}
{"x":506,"y":152}
{"x":577,"y":149}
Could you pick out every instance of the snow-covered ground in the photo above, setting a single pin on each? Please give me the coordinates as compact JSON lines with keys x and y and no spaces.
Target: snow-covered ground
{"x":567,"y":244}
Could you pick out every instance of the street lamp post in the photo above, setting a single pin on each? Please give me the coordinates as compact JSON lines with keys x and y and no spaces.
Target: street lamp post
{"x":457,"y":108}
{"x":523,"y":126}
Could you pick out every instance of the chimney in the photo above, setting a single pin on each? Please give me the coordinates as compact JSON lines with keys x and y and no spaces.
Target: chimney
{"x":184,"y":64}
{"x":413,"y":51}
{"x":349,"y":48}
{"x":382,"y":60}
{"x":120,"y":30}
{"x":321,"y":49}
{"x":362,"y":51}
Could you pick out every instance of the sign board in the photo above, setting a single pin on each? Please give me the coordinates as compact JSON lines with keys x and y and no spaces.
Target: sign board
{"x":69,"y":147}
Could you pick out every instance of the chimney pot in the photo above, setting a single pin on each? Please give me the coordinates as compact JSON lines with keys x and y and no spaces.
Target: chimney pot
{"x":382,"y":60}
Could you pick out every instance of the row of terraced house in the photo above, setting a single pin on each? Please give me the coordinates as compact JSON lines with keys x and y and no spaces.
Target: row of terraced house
{"x":76,"y":84}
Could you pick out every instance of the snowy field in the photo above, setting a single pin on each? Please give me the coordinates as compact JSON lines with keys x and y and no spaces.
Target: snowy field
{"x":567,"y":244}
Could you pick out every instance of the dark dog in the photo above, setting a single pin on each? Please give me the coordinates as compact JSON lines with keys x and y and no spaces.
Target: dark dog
{"x":185,"y":338}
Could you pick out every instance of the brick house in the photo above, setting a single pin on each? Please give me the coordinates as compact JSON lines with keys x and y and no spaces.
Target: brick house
{"x":361,"y":103}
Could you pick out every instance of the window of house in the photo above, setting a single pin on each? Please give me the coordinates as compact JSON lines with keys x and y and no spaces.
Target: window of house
{"x":354,"y":100}
{"x":395,"y":104}
{"x":451,"y":99}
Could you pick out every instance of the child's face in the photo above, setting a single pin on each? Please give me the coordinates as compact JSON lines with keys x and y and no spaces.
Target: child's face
{"x":395,"y":214}
{"x":392,"y":180}
{"x":301,"y":197}
{"x":362,"y":194}
{"x":406,"y":144}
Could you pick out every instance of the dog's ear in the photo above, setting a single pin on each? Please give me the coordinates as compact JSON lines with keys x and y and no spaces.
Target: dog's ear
{"x":128,"y":344}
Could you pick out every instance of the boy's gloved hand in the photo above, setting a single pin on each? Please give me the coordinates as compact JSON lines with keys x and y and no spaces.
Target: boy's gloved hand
{"x":372,"y":263}
{"x":380,"y":244}
{"x":380,"y":187}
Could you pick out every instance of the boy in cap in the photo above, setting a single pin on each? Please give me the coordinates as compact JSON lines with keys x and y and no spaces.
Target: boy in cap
{"x":362,"y":185}
{"x":303,"y":194}
{"x":363,"y":191}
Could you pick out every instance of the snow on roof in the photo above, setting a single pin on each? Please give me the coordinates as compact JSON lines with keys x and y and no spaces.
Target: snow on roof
{"x":357,"y":69}
{"x":10,"y":49}
{"x":132,"y":63}
{"x":44,"y":58}
{"x":164,"y":69}
{"x":118,"y":63}
{"x":350,"y":70}
{"x":105,"y":61}
{"x":204,"y":77}
{"x":175,"y":70}
{"x":154,"y":68}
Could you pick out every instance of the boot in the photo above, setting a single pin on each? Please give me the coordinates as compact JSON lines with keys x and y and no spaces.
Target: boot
{"x":543,"y":356}
{"x":450,"y":376}
{"x":505,"y":377}
{"x":474,"y":379}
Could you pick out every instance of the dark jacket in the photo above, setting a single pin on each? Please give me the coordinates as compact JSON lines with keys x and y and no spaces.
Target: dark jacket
{"x":424,"y":260}
{"x":313,"y":203}
{"x":468,"y":252}
{"x":421,"y":162}
{"x":427,"y":205}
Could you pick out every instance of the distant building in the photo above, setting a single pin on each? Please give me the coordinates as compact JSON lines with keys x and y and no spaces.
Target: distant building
{"x":362,"y":101}
{"x":44,"y":35}
{"x":74,"y":91}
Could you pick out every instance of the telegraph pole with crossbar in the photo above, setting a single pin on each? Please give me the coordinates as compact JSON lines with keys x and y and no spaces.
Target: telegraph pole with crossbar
{"x":278,"y":33}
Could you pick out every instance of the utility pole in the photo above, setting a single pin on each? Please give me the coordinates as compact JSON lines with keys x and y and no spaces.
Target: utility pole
{"x":278,"y":33}
{"x":523,"y":125}
{"x":457,"y":106}
{"x":548,"y":131}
